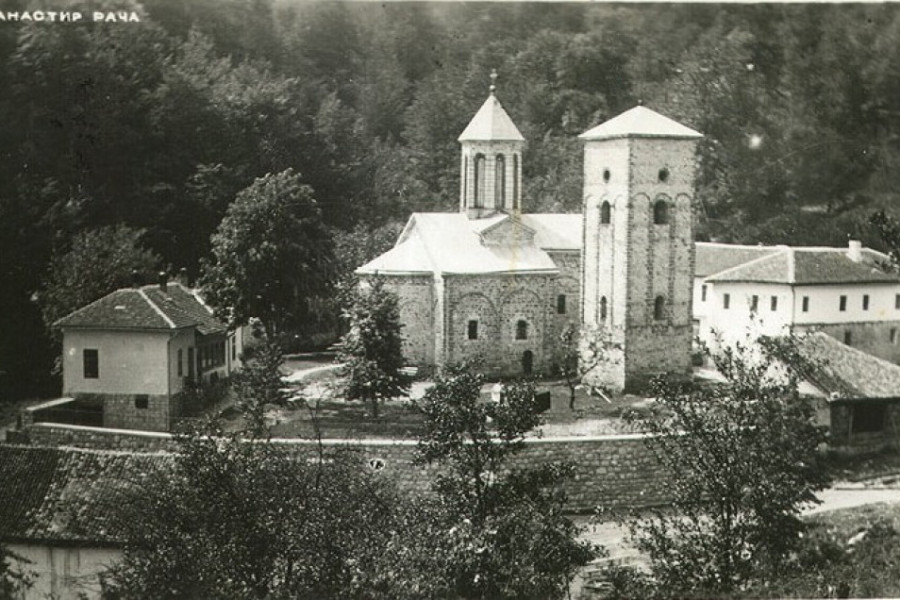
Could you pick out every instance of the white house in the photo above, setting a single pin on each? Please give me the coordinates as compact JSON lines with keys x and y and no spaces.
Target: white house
{"x":772,"y":290}
{"x":128,"y":356}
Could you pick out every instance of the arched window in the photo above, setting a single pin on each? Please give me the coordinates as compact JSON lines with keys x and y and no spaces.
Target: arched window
{"x":604,"y":213}
{"x":479,"y":180}
{"x":515,"y":174}
{"x":473,"y":330}
{"x":660,"y":213}
{"x":659,"y":308}
{"x":603,"y":308}
{"x":521,"y":330}
{"x":465,"y":179}
{"x":500,"y":181}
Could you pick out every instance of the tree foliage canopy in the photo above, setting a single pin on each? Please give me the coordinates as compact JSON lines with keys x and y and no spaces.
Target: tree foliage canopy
{"x":744,"y":458}
{"x":271,"y":256}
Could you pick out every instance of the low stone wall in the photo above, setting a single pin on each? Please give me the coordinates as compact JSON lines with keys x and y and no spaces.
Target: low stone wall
{"x":610,"y":471}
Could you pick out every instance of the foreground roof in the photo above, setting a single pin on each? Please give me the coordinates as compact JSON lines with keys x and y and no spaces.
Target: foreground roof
{"x":809,"y":266}
{"x":491,"y":123}
{"x":148,"y":307}
{"x":451,"y":243}
{"x":65,"y":494}
{"x":640,"y":121}
{"x":846,"y":373}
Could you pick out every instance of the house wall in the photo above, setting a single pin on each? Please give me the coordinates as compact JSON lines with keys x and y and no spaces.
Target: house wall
{"x":65,"y":573}
{"x":130,"y":362}
{"x":182,"y":340}
{"x":841,"y":424}
{"x":824,"y":303}
{"x":738,"y":322}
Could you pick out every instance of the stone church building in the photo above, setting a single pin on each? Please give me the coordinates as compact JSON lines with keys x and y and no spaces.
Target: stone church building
{"x":499,"y":285}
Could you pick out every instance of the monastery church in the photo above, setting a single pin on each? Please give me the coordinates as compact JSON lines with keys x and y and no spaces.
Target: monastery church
{"x":493,"y":283}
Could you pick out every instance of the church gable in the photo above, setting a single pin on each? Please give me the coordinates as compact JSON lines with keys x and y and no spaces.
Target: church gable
{"x":509,"y":232}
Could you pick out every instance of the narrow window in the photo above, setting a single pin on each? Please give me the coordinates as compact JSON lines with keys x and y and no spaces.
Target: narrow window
{"x":521,"y":330}
{"x":897,"y":301}
{"x":726,"y":301}
{"x":91,"y":360}
{"x":234,"y":347}
{"x":865,"y":302}
{"x":848,"y":337}
{"x":805,"y":303}
{"x":561,"y":304}
{"x":191,"y":362}
{"x":663,"y":175}
{"x":604,"y":213}
{"x":754,"y":303}
{"x":180,"y":359}
{"x":141,"y":401}
{"x":465,"y":180}
{"x":659,"y":308}
{"x":843,"y":303}
{"x":479,"y":180}
{"x":606,"y":175}
{"x":500,"y":181}
{"x":893,"y":335}
{"x":660,"y":213}
{"x":703,"y":293}
{"x":774,"y":303}
{"x":603,"y":308}
{"x":515,"y":178}
{"x":473,"y":330}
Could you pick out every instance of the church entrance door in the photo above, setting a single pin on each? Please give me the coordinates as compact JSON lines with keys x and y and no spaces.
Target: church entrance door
{"x":527,"y":362}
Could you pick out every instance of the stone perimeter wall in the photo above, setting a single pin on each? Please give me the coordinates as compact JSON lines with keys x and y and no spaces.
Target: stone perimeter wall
{"x":611,"y":471}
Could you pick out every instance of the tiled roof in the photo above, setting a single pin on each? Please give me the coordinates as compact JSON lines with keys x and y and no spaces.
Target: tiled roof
{"x":148,"y":307}
{"x":65,"y":494}
{"x":491,"y":123}
{"x":808,"y":266}
{"x":451,"y":243}
{"x":846,"y":373}
{"x":714,"y":258}
{"x":640,"y":121}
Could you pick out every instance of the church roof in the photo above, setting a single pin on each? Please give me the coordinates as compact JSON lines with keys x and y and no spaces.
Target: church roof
{"x":491,"y":123}
{"x":451,"y":243}
{"x":640,"y":121}
{"x":809,"y":266}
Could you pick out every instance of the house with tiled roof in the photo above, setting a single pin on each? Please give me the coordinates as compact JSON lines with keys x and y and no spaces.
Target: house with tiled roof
{"x":55,"y":511}
{"x":848,"y":293}
{"x":128,"y":356}
{"x":860,"y":392}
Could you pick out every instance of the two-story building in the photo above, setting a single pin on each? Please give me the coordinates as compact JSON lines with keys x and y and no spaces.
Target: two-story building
{"x":847,"y":293}
{"x":129,"y":355}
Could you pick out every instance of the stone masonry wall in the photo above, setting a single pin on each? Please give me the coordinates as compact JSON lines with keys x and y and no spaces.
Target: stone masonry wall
{"x":613,"y":471}
{"x":416,"y":303}
{"x":121,"y":411}
{"x":873,"y":337}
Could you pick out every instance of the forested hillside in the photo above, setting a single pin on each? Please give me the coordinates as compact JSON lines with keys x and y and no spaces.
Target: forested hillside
{"x":158,"y":125}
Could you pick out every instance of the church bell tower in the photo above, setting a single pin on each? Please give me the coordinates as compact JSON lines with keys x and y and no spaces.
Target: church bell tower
{"x":638,"y":251}
{"x":491,"y":162}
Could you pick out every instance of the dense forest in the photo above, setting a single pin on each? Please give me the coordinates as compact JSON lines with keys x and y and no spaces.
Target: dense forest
{"x":149,"y":130}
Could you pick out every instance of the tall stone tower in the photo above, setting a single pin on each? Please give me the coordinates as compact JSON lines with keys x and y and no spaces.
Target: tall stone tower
{"x":491,"y":162}
{"x":638,"y":251}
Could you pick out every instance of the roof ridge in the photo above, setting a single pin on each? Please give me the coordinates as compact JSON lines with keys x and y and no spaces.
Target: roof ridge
{"x":739,"y":246}
{"x":158,"y":310}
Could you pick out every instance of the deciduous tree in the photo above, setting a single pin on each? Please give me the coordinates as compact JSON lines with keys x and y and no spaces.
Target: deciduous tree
{"x":372,"y":348}
{"x":743,"y":459}
{"x":271,"y":256}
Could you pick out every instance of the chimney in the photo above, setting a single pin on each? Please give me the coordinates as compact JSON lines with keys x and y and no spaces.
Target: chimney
{"x":163,"y":281}
{"x":183,"y":278}
{"x":135,"y":278}
{"x":854,"y":250}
